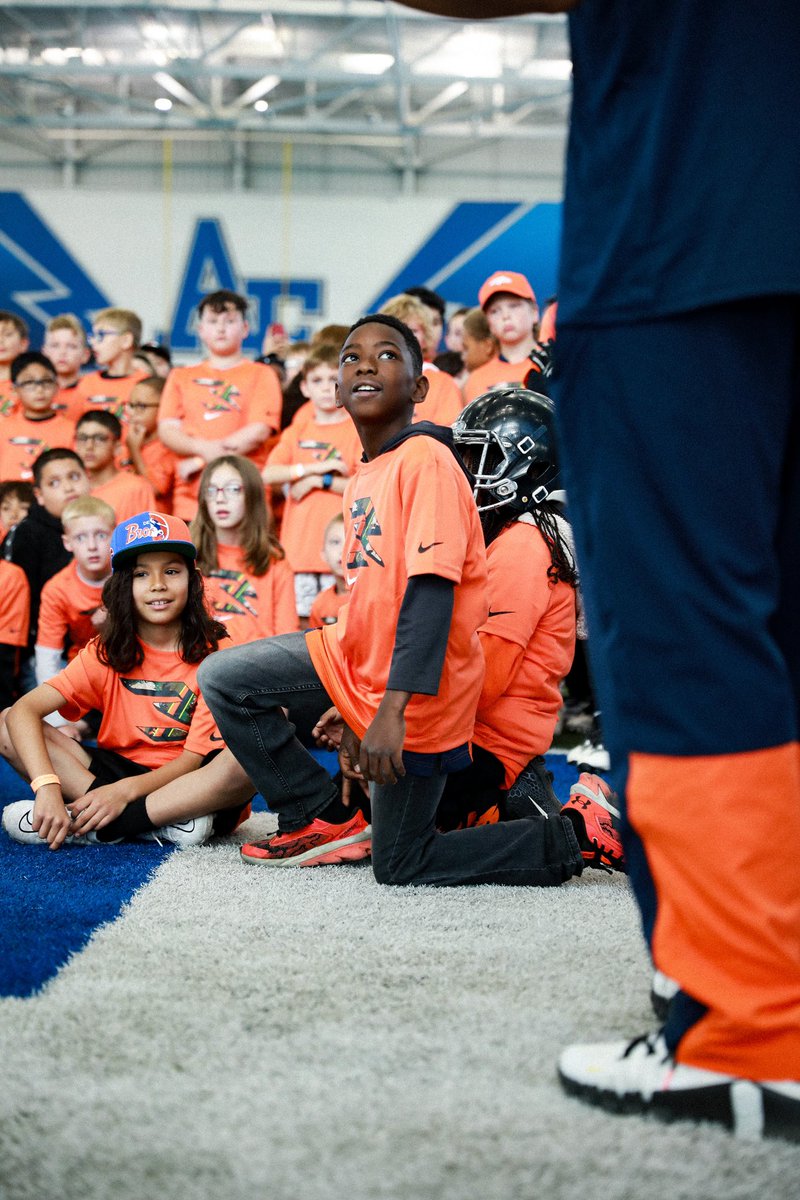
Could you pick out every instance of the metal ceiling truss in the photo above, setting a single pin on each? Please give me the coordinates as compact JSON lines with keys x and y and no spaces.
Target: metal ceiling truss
{"x":373,"y":75}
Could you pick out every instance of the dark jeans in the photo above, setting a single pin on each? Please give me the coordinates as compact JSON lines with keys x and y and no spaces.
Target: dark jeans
{"x":248,"y":687}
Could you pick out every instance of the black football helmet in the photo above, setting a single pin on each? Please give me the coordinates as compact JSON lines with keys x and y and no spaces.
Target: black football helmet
{"x":506,"y":439}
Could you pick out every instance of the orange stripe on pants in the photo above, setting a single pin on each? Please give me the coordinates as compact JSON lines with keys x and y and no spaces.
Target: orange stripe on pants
{"x":721,"y":837}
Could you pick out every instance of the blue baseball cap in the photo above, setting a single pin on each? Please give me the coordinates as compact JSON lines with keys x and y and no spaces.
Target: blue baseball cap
{"x":150,"y":531}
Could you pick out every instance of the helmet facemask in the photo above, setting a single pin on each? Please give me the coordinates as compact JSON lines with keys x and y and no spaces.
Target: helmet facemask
{"x":500,"y":467}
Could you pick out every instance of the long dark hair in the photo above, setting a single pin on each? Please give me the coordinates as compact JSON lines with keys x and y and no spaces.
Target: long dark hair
{"x":546,"y":518}
{"x":257,"y":536}
{"x":118,"y":644}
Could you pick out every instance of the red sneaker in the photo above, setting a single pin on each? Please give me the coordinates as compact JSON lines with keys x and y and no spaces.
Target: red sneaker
{"x":590,"y":808}
{"x":314,"y":844}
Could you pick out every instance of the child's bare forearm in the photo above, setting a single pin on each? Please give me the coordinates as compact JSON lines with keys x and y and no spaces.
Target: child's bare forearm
{"x":24,"y":726}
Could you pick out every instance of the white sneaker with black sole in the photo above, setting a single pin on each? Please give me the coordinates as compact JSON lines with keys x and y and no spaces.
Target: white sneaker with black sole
{"x":642,"y":1076}
{"x":590,"y":755}
{"x":17,"y":824}
{"x":185,"y":834}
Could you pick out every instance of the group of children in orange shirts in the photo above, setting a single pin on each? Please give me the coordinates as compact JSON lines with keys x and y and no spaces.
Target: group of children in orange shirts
{"x":396,"y":647}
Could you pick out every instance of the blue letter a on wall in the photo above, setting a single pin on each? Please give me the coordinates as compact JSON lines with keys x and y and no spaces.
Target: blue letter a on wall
{"x":208,"y":268}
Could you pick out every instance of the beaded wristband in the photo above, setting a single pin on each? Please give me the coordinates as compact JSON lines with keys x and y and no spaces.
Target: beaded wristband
{"x":42,"y":781}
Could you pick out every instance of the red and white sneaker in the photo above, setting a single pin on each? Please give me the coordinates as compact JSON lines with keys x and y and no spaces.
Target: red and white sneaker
{"x":314,"y":845}
{"x":590,"y":808}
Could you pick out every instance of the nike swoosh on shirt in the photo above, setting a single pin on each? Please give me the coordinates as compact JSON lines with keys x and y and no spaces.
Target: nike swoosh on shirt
{"x":424,"y":549}
{"x":502,"y":612}
{"x":215,"y":737}
{"x":211,"y":416}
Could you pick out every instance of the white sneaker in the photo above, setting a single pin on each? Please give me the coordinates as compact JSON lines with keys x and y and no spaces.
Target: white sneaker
{"x":194,"y":832}
{"x":642,"y":1076}
{"x":17,"y":824}
{"x":590,"y":754}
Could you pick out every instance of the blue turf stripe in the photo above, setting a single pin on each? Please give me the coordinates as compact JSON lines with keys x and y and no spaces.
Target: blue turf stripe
{"x":52,"y":903}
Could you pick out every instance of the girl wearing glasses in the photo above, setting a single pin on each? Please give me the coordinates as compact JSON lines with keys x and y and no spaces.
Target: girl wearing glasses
{"x":249,"y":584}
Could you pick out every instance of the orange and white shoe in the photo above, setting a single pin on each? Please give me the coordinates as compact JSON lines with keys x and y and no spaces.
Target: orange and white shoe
{"x":590,"y":809}
{"x":315,"y":844}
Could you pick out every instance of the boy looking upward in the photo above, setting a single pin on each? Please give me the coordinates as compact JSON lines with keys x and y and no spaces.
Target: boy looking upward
{"x":115,"y":337}
{"x":509,"y":303}
{"x":34,"y":426}
{"x":66,"y":346}
{"x":227,"y":404}
{"x":14,"y":340}
{"x":403,"y":663}
{"x":97,"y":439}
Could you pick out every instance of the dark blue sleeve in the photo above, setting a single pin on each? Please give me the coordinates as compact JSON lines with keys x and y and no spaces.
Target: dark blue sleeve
{"x":420,"y":643}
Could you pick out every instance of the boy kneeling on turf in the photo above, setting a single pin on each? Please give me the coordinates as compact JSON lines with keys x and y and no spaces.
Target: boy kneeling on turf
{"x":402,"y":665}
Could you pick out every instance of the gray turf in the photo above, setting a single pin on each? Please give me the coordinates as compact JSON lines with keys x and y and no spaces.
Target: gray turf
{"x":303,"y":1034}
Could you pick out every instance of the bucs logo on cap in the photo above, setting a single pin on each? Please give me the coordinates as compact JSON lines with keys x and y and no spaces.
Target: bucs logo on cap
{"x":155,"y":529}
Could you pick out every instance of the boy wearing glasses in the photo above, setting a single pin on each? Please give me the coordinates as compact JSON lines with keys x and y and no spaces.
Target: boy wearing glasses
{"x":97,"y":440}
{"x":115,"y":337}
{"x":35,"y":425}
{"x":148,"y":455}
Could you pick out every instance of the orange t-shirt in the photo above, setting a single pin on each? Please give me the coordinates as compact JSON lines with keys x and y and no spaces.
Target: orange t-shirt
{"x":15,"y":605}
{"x":127,"y":494}
{"x":411,"y":512}
{"x":69,"y":402}
{"x":325,"y":609}
{"x":102,"y":392}
{"x":23,"y":440}
{"x":304,"y":521}
{"x":212,"y":403}
{"x":150,"y":714}
{"x":525,"y":609}
{"x":66,"y":609}
{"x":443,"y":402}
{"x":495,"y":371}
{"x":9,"y":401}
{"x":251,"y":606}
{"x":160,"y":464}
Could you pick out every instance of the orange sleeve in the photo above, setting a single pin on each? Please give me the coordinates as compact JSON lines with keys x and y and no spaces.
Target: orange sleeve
{"x":81,"y":684}
{"x":284,"y":453}
{"x":171,"y":406}
{"x":160,"y":464}
{"x":15,"y":605}
{"x":502,"y":663}
{"x":435,"y":535}
{"x":53,"y":618}
{"x":265,"y":400}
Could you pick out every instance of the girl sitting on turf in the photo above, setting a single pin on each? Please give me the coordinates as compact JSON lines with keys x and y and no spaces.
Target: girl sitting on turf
{"x":159,"y":769}
{"x":249,"y":584}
